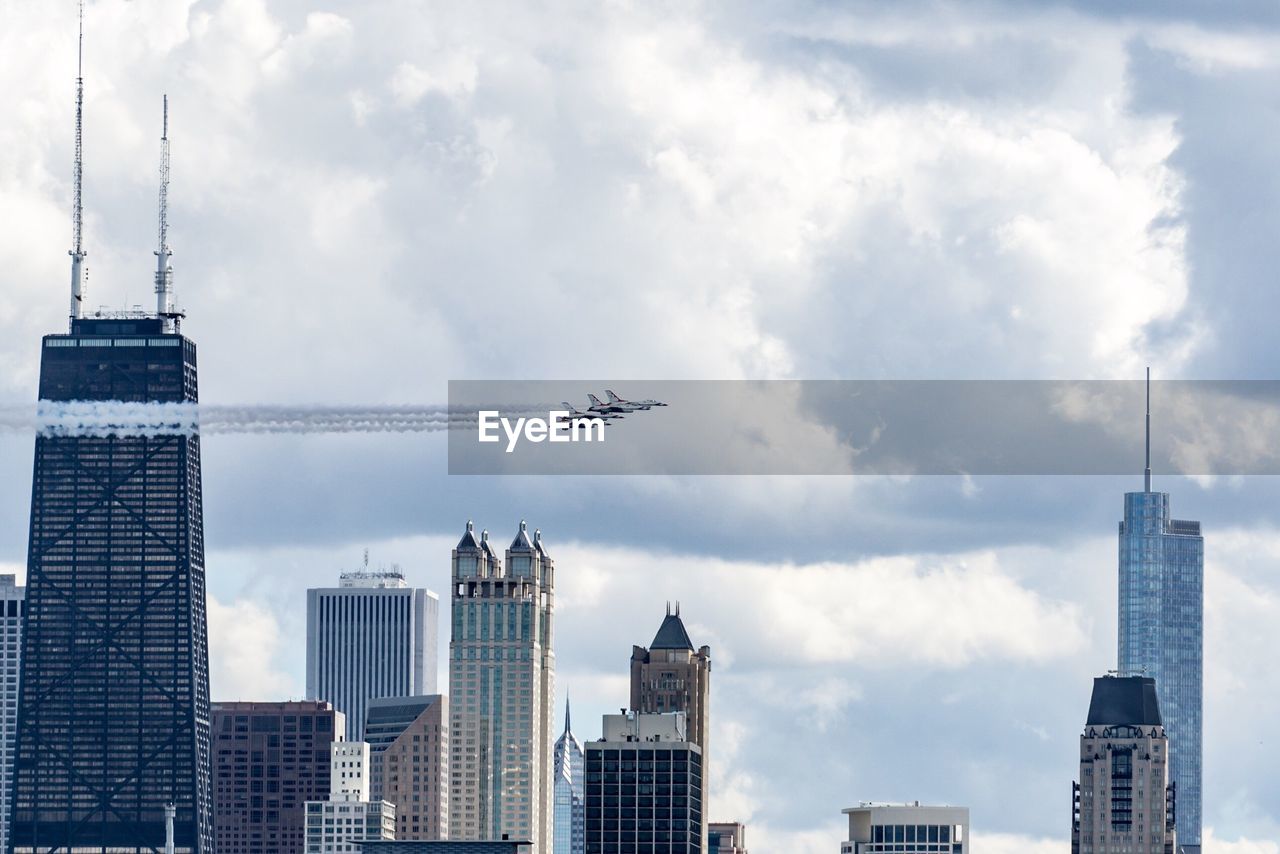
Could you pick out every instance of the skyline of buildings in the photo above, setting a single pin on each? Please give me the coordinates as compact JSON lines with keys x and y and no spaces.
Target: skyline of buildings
{"x":1124,"y":800}
{"x":371,"y":636}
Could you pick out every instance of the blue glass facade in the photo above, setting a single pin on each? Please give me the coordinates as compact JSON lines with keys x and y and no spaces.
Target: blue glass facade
{"x":1162,"y":633}
{"x":568,"y":833}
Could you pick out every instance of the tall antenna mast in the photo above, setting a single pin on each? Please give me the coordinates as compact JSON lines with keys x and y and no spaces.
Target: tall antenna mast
{"x":1147,"y":475}
{"x":164,"y":273}
{"x":77,"y":213}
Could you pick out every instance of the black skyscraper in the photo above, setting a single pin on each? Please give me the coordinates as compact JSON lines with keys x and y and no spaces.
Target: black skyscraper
{"x":113,"y":718}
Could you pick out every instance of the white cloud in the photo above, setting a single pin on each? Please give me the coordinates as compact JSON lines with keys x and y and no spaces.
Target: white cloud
{"x":245,"y":644}
{"x":1007,"y":843}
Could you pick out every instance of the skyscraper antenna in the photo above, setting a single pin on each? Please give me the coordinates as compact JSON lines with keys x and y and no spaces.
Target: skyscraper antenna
{"x":1147,"y":472}
{"x":164,"y":274}
{"x":77,"y":212}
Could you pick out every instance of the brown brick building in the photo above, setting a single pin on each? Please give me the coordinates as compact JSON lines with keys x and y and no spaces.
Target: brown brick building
{"x":269,"y":759}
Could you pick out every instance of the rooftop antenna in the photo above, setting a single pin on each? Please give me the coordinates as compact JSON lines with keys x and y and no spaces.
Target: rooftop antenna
{"x":164,"y":273}
{"x":1147,"y":473}
{"x":77,"y":212}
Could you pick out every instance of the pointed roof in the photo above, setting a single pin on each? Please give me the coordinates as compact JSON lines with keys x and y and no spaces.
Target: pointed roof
{"x":469,"y":540}
{"x":484,"y":542}
{"x":671,"y":634}
{"x":522,"y":543}
{"x":537,"y":542}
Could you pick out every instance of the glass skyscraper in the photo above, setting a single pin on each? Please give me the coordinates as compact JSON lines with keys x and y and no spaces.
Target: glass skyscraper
{"x":1162,"y":634}
{"x":568,"y":834}
{"x":113,"y":709}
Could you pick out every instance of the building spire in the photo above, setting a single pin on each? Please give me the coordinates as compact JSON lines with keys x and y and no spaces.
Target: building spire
{"x":77,"y":210}
{"x":567,"y":728}
{"x":1147,"y":472}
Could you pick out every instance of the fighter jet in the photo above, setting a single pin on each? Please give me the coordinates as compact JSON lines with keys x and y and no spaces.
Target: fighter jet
{"x":614,"y":400}
{"x":575,"y":415}
{"x":606,"y":409}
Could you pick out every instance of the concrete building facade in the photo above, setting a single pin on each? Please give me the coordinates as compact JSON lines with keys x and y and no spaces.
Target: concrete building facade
{"x":906,"y":829}
{"x":410,"y":765}
{"x":501,"y":690}
{"x":1124,"y":800}
{"x":726,"y":837}
{"x":348,"y":818}
{"x":371,"y":636}
{"x":671,"y":676}
{"x":269,"y":759}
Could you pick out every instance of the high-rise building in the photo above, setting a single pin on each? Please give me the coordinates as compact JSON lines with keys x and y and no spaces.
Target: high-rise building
{"x":501,"y":690}
{"x":1124,"y":800}
{"x":568,"y":832}
{"x":670,"y":676}
{"x":113,"y":718}
{"x":11,"y":603}
{"x":409,"y":760}
{"x":726,"y":837}
{"x":643,"y":787}
{"x":348,"y":817}
{"x":1162,"y":631}
{"x":269,"y":760}
{"x":906,"y":829}
{"x":371,"y":636}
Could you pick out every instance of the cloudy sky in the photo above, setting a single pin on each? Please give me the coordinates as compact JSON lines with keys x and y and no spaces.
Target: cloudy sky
{"x":372,"y":198}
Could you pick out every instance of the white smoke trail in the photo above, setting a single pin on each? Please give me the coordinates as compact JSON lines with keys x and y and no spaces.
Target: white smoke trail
{"x":115,"y":418}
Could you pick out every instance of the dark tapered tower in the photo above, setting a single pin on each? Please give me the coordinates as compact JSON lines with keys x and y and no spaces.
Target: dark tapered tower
{"x":113,"y":717}
{"x":113,"y":709}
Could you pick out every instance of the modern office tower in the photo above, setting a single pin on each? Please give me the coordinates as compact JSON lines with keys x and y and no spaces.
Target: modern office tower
{"x":1162,"y":630}
{"x":501,"y":675}
{"x":409,"y":762}
{"x":11,"y":602}
{"x":1124,"y":800}
{"x":349,"y":817}
{"x":113,"y":719}
{"x":670,"y":676}
{"x":269,"y":760}
{"x":726,"y":838}
{"x":644,"y":787}
{"x":906,"y":829}
{"x":568,"y":765}
{"x":371,"y":636}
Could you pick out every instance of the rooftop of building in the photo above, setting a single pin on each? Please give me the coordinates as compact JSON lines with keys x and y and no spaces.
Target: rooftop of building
{"x":1124,"y":700}
{"x":672,"y":633}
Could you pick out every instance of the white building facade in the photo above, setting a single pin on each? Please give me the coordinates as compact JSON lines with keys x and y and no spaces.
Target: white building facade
{"x":906,"y":829}
{"x":372,"y":636}
{"x":341,"y":824}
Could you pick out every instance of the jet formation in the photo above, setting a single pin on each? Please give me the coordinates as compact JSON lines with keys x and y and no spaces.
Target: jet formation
{"x":616,"y":407}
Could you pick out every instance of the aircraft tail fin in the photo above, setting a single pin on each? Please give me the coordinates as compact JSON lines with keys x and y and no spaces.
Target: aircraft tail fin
{"x":568,"y":407}
{"x":613,"y":398}
{"x":594,"y":400}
